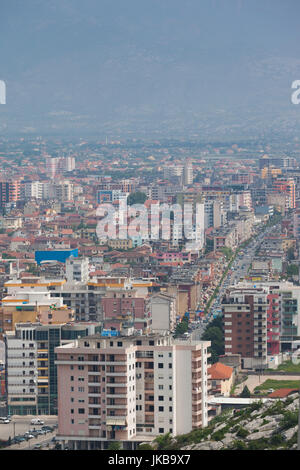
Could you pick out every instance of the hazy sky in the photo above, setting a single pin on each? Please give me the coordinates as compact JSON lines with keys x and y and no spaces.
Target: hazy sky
{"x":71,"y":65}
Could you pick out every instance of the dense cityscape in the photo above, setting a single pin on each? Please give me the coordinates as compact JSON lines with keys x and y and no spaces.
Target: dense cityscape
{"x":149,"y":229}
{"x":98,"y":333}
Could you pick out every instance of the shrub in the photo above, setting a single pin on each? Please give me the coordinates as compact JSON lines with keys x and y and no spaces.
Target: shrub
{"x":114,"y":446}
{"x":218,"y":435}
{"x":259,"y":444}
{"x":145,"y":447}
{"x":238,"y":445}
{"x":163,"y":442}
{"x":242,"y":433}
{"x":289,"y":420}
{"x":277,"y":439}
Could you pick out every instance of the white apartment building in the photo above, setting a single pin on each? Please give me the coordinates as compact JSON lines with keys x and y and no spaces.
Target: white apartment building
{"x":21,"y":368}
{"x":31,"y":374}
{"x":130,"y":389}
{"x":77,"y":269}
{"x":163,"y":312}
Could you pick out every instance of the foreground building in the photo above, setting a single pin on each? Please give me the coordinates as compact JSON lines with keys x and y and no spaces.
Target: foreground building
{"x":245,"y":325}
{"x":31,"y":373}
{"x":130,"y":389}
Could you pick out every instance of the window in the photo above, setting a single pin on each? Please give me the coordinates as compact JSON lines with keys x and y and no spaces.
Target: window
{"x":160,"y":408}
{"x":81,"y":411}
{"x":160,"y":365}
{"x":72,"y":378}
{"x":160,"y":398}
{"x":161,"y":430}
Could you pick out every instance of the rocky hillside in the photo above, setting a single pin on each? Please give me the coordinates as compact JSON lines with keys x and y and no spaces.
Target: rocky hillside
{"x":271,"y":425}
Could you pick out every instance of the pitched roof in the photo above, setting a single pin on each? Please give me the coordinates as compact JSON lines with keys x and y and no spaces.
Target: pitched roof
{"x":219,"y":371}
{"x":282,"y":392}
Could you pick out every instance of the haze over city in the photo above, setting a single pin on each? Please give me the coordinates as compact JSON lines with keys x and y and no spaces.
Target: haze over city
{"x":212,"y":68}
{"x":149,"y":229}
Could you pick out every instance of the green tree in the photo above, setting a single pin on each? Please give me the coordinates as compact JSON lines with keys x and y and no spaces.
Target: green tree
{"x":227,"y":252}
{"x":136,"y":198}
{"x":114,"y":446}
{"x":164,"y":441}
{"x":290,"y":254}
{"x":292,"y":270}
{"x":145,"y":447}
{"x":245,"y":393}
{"x":214,"y":333}
{"x":182,"y":327}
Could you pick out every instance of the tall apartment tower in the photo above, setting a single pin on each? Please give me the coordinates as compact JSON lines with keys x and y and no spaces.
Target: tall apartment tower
{"x":10,"y":191}
{"x":287,"y":187}
{"x":245,"y":325}
{"x":31,"y":372}
{"x":130,"y":389}
{"x":188,"y":173}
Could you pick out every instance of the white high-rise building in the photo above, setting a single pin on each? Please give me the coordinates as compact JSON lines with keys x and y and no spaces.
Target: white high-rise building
{"x":130,"y":389}
{"x":77,"y":269}
{"x":188,"y":173}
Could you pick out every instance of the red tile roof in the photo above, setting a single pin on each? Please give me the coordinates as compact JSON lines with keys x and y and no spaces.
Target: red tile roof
{"x":282,"y":392}
{"x":219,"y":371}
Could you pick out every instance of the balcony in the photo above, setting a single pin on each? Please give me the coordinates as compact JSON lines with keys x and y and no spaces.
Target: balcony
{"x":116,"y":395}
{"x":116,"y":384}
{"x":116,"y":421}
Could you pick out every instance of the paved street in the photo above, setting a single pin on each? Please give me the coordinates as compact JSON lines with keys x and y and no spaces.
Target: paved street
{"x":21,"y":424}
{"x":31,"y":443}
{"x":238,"y":271}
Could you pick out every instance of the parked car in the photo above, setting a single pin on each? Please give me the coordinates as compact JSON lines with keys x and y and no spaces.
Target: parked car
{"x":36,"y":421}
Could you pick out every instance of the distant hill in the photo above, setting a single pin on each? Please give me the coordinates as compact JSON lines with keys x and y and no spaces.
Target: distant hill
{"x":167,"y":67}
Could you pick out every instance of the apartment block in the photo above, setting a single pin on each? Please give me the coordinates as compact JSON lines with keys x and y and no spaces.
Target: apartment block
{"x":130,"y":389}
{"x":31,"y":373}
{"x":245,"y":325}
{"x":25,"y":305}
